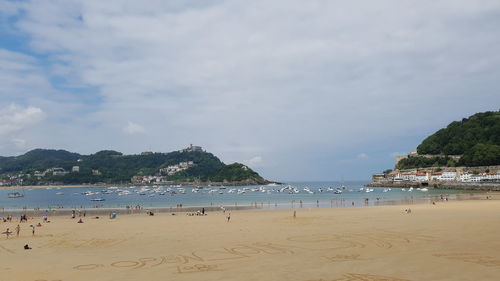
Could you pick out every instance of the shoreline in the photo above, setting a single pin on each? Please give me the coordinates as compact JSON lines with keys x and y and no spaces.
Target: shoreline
{"x":104,"y":211}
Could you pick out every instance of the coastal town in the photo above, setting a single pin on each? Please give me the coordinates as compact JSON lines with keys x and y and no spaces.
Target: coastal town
{"x":436,"y":175}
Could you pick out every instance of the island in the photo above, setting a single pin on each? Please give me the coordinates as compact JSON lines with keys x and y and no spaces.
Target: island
{"x":188,"y":166}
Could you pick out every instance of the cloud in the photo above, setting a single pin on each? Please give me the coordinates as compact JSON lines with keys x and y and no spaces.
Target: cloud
{"x":15,"y":118}
{"x":133,"y":128}
{"x":19,"y":143}
{"x":255,"y":161}
{"x":292,"y":82}
{"x":362,"y":156}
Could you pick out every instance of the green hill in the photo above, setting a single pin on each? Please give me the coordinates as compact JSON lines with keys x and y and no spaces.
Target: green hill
{"x":476,"y":139}
{"x":114,"y":167}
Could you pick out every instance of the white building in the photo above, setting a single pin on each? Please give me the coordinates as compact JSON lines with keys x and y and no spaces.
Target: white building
{"x":75,"y":169}
{"x":58,"y":172}
{"x":448,"y":176}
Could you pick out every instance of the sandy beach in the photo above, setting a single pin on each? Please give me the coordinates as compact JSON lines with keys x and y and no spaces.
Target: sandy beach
{"x":447,"y":241}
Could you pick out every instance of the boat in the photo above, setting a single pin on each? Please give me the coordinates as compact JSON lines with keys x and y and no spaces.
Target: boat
{"x":97,"y":199}
{"x":15,"y":195}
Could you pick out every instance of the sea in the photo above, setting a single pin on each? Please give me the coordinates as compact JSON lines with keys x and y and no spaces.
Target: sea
{"x":283,"y":196}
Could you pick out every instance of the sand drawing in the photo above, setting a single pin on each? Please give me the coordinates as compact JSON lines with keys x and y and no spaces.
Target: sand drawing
{"x":471,"y":258}
{"x":197,"y":268}
{"x":343,"y":258}
{"x":88,"y":266}
{"x":91,"y":243}
{"x":184,"y":261}
{"x":381,"y":239}
{"x":334,"y":242}
{"x":362,"y":277}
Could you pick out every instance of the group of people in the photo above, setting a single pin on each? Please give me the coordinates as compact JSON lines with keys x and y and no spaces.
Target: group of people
{"x":80,"y":213}
{"x":197,"y":213}
{"x":7,"y":218}
{"x":18,"y":230}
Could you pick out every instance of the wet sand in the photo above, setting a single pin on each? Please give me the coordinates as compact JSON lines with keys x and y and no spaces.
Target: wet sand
{"x":447,"y":241}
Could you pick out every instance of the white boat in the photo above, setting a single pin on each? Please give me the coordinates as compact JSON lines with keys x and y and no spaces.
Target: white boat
{"x":15,"y":195}
{"x":97,"y":199}
{"x":306,"y":189}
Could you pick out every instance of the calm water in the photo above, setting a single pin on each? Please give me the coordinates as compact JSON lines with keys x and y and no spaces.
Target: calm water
{"x":312,"y":194}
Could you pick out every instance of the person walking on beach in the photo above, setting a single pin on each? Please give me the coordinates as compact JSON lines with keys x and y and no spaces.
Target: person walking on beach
{"x":32,"y":230}
{"x":228,"y":216}
{"x":18,"y":229}
{"x":7,"y":233}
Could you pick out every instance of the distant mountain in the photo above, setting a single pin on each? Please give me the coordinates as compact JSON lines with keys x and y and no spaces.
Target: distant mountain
{"x":476,"y":140}
{"x":37,"y":167}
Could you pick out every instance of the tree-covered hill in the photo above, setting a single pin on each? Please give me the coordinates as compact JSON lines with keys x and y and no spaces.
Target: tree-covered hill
{"x":38,"y":159}
{"x":114,"y":167}
{"x":460,"y":137}
{"x":476,"y":139}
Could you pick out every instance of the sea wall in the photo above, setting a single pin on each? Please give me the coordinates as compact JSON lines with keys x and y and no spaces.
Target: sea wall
{"x":486,"y":186}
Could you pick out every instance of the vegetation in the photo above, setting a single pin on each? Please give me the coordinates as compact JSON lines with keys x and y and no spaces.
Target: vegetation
{"x":481,"y":155}
{"x":461,"y":136}
{"x":236,"y":172}
{"x":114,"y":167}
{"x":424,"y":162}
{"x":476,"y":139}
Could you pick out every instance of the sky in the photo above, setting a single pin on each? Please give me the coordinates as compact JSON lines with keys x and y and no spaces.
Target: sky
{"x":297,"y":90}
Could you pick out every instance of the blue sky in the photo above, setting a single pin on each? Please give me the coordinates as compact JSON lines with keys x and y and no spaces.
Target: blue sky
{"x":298,"y":90}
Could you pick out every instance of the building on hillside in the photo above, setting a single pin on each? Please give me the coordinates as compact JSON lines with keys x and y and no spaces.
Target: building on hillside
{"x":75,"y":169}
{"x":58,"y":172}
{"x":378,"y":178}
{"x":192,"y":148}
{"x":173,"y":169}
